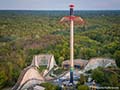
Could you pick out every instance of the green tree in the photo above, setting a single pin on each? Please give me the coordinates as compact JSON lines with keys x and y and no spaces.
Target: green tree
{"x":117,"y":57}
{"x":49,"y":86}
{"x":61,"y":59}
{"x":3,"y":78}
{"x":83,"y":87}
{"x":87,"y":53}
{"x":113,"y":80}
{"x":82,"y":79}
{"x":98,"y":75}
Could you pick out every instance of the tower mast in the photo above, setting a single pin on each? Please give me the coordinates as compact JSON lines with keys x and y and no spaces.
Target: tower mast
{"x":71,"y":44}
{"x":72,"y":19}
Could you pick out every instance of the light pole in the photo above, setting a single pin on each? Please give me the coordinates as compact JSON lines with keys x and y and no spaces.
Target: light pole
{"x":71,"y":19}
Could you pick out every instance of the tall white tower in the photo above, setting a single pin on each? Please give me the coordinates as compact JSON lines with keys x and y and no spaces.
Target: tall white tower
{"x":72,"y":19}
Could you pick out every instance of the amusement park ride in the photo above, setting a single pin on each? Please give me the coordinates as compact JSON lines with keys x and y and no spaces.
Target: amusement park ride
{"x":72,"y":19}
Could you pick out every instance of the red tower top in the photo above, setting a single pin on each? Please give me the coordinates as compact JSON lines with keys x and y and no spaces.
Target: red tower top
{"x":76,"y":19}
{"x":71,"y":6}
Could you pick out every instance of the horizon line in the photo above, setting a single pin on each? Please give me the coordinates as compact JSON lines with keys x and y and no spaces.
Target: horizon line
{"x":60,"y":10}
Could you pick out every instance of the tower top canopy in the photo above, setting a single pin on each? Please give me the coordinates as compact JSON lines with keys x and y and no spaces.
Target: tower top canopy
{"x":71,"y":6}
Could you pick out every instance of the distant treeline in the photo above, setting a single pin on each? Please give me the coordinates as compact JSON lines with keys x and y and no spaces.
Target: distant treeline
{"x":54,"y":13}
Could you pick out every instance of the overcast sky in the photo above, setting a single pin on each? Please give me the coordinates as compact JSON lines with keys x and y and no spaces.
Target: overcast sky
{"x":59,"y":4}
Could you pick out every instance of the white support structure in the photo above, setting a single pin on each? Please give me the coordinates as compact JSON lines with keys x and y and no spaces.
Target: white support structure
{"x":71,"y":43}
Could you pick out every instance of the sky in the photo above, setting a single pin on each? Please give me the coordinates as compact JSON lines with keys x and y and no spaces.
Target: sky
{"x":59,"y":4}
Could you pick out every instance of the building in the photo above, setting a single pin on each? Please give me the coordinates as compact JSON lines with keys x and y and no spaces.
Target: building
{"x":78,"y":64}
{"x":91,"y":64}
{"x":99,"y":62}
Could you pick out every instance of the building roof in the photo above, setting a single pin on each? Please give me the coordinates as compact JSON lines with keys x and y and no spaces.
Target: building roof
{"x":76,"y":62}
{"x":103,"y":62}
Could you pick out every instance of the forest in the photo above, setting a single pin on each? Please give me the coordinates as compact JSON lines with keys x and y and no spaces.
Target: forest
{"x":27,"y":33}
